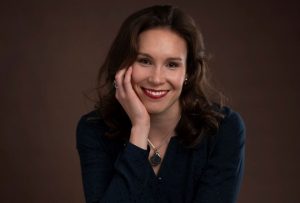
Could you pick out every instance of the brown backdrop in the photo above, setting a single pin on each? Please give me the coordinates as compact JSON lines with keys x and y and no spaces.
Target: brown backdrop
{"x":50,"y":54}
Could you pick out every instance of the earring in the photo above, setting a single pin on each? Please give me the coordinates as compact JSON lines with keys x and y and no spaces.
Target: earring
{"x":185,"y":80}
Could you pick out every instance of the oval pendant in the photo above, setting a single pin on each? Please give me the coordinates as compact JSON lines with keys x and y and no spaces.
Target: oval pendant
{"x":155,"y":159}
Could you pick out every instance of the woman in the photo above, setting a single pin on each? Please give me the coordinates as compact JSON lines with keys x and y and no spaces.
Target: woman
{"x":156,"y":134}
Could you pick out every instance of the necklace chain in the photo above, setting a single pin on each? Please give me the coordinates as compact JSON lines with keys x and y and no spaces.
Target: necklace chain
{"x":156,"y":159}
{"x":161,"y":144}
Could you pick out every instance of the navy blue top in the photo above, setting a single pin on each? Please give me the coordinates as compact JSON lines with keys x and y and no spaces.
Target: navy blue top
{"x":113,"y":171}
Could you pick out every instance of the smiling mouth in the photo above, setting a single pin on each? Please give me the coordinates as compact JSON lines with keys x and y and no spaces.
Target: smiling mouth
{"x":155,"y":94}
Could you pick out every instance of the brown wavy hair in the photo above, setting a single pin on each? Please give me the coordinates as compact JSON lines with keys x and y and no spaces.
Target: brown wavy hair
{"x":200,"y":103}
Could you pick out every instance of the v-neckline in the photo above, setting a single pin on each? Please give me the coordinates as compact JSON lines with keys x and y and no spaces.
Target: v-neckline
{"x":164,"y":160}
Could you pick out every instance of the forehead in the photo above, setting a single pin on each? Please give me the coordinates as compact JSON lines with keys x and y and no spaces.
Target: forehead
{"x":162,"y":42}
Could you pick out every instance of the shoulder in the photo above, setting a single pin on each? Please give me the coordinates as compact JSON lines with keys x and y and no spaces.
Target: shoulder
{"x":232,"y":122}
{"x":90,"y":129}
{"x":92,"y":119}
{"x":231,"y":133}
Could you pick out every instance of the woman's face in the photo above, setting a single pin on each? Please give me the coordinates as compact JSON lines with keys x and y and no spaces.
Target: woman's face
{"x":159,"y":70}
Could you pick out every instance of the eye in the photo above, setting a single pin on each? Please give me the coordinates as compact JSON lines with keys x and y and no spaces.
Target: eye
{"x":144,"y":61}
{"x":172,"y":65}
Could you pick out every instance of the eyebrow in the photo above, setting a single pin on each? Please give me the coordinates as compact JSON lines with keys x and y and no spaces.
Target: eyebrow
{"x":171,"y":58}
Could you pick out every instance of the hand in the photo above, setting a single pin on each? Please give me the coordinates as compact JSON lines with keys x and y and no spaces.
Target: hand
{"x":133,"y":106}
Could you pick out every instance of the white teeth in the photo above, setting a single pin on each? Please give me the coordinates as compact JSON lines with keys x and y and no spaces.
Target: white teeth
{"x":155,"y":93}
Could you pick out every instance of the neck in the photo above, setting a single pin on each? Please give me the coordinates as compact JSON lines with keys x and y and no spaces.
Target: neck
{"x":163,"y":125}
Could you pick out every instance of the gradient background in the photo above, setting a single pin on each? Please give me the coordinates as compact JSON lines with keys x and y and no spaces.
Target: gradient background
{"x":50,"y":54}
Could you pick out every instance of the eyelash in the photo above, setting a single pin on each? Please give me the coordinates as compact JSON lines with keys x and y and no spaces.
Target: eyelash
{"x":173,"y":65}
{"x":146,"y":61}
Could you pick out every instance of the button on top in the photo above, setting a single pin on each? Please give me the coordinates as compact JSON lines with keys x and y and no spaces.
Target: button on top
{"x":159,"y":178}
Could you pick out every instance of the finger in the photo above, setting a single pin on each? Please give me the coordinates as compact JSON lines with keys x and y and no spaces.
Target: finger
{"x":127,"y":81}
{"x":119,"y":83}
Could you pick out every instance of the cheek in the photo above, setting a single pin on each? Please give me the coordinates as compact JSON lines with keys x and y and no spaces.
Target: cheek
{"x":178,"y":81}
{"x":137,"y":75}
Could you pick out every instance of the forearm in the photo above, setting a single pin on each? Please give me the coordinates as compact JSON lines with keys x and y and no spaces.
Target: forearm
{"x":125,"y":181}
{"x":131,"y":176}
{"x":139,"y":135}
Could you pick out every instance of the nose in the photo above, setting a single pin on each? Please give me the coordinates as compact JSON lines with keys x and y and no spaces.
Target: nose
{"x":157,"y":76}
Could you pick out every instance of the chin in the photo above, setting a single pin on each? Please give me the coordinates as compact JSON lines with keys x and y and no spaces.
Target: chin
{"x":154,"y":110}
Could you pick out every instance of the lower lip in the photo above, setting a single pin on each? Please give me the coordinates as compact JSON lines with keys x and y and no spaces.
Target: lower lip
{"x":155,"y":96}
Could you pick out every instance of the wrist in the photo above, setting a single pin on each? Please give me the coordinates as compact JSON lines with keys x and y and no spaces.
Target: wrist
{"x":139,"y":136}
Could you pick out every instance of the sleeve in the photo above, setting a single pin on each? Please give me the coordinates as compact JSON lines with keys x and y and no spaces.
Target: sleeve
{"x":107,"y":180}
{"x":222,"y":176}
